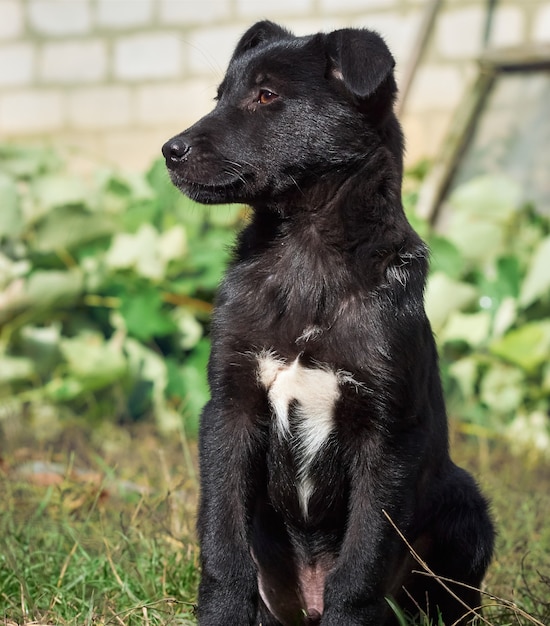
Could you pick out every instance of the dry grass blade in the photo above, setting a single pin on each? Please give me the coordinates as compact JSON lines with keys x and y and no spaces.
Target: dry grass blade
{"x":501,"y":602}
{"x":429,"y":572}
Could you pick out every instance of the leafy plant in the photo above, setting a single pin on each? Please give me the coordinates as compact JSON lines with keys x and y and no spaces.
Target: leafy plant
{"x":488,"y":298}
{"x":106,"y":284}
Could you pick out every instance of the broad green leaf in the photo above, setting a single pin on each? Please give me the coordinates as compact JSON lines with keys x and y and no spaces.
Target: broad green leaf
{"x":527,"y":346}
{"x":45,"y":288}
{"x":445,"y":257}
{"x":477,"y":239}
{"x":14,"y":368}
{"x":41,"y":344}
{"x":445,"y":295}
{"x":172,"y":243}
{"x":11,"y":222}
{"x":25,"y":163}
{"x":145,"y":315}
{"x":57,"y":190}
{"x":472,"y":328}
{"x":530,"y":432}
{"x":10,"y":270}
{"x":189,"y":328}
{"x":64,"y":389}
{"x":537,"y":282}
{"x":489,"y":197}
{"x":141,"y":252}
{"x":69,"y":227}
{"x":465,"y":372}
{"x":502,"y":388}
{"x":92,"y":360}
{"x":195,"y":384}
{"x":505,"y":316}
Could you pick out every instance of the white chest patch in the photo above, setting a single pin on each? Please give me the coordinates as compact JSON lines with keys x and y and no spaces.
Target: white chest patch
{"x":314,"y":391}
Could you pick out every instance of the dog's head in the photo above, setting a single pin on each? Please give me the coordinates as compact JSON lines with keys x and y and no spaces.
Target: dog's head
{"x":289,"y":111}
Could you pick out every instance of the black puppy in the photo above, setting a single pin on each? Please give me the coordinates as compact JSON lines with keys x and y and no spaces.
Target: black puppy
{"x":326,"y":408}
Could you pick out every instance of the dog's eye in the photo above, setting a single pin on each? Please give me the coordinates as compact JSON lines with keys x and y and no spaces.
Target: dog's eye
{"x":266,"y":96}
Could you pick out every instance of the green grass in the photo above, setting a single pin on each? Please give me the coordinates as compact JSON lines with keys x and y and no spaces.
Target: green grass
{"x":96,"y":528}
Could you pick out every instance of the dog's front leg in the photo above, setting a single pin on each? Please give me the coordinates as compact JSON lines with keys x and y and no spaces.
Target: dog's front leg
{"x":228,"y":592}
{"x":355,"y":589}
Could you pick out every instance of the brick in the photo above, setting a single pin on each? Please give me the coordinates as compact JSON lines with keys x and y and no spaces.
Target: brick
{"x":148,"y":56}
{"x":60,"y":17}
{"x":31,"y":111}
{"x":185,"y":11}
{"x":435,"y":87}
{"x":180,"y":104}
{"x":16,"y":64}
{"x":122,"y":14}
{"x":100,"y":107}
{"x":459,"y":32}
{"x":73,"y":61}
{"x":210,"y":49}
{"x":541,"y":27}
{"x":337,"y":6}
{"x":255,"y":9}
{"x":309,"y":26}
{"x":508,"y":27}
{"x":398,"y":30}
{"x":11,"y":19}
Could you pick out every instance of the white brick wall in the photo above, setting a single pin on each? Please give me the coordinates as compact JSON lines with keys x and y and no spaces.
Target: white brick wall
{"x":16,"y":64}
{"x":11,"y":19}
{"x":124,"y":75}
{"x":31,"y":111}
{"x":60,"y":17}
{"x":187,"y":12}
{"x":122,"y":14}
{"x":252,"y":9}
{"x":73,"y":61}
{"x":97,"y":108}
{"x":148,"y":55}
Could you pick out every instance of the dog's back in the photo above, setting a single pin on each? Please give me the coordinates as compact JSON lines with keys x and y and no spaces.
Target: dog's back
{"x":326,"y":414}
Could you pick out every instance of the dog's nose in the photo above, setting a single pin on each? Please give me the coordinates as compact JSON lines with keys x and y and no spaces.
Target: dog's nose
{"x":176,"y":150}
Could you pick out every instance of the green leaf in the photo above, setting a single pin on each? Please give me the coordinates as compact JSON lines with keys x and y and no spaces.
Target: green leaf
{"x":195,"y":384}
{"x":147,"y":252}
{"x":537,"y":282}
{"x":25,"y":163}
{"x":145,"y":316}
{"x":69,"y":227}
{"x":465,"y":372}
{"x":527,"y":347}
{"x":13,"y":368}
{"x":57,"y":190}
{"x":471,"y":328}
{"x":502,"y":388}
{"x":445,"y":295}
{"x":92,"y":360}
{"x":445,"y":257}
{"x":190,"y":330}
{"x":488,"y":197}
{"x":12,"y":223}
{"x":45,"y":288}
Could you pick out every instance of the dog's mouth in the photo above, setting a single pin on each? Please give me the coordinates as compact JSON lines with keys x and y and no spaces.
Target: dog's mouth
{"x":230,"y":189}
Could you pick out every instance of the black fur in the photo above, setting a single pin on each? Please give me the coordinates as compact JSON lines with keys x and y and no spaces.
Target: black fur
{"x":304,"y":132}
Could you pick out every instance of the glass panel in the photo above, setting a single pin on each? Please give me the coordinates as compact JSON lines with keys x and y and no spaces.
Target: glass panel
{"x":512,"y":136}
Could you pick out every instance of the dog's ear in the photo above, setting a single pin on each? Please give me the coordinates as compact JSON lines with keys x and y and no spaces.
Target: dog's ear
{"x":360,"y":58}
{"x":259,"y":33}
